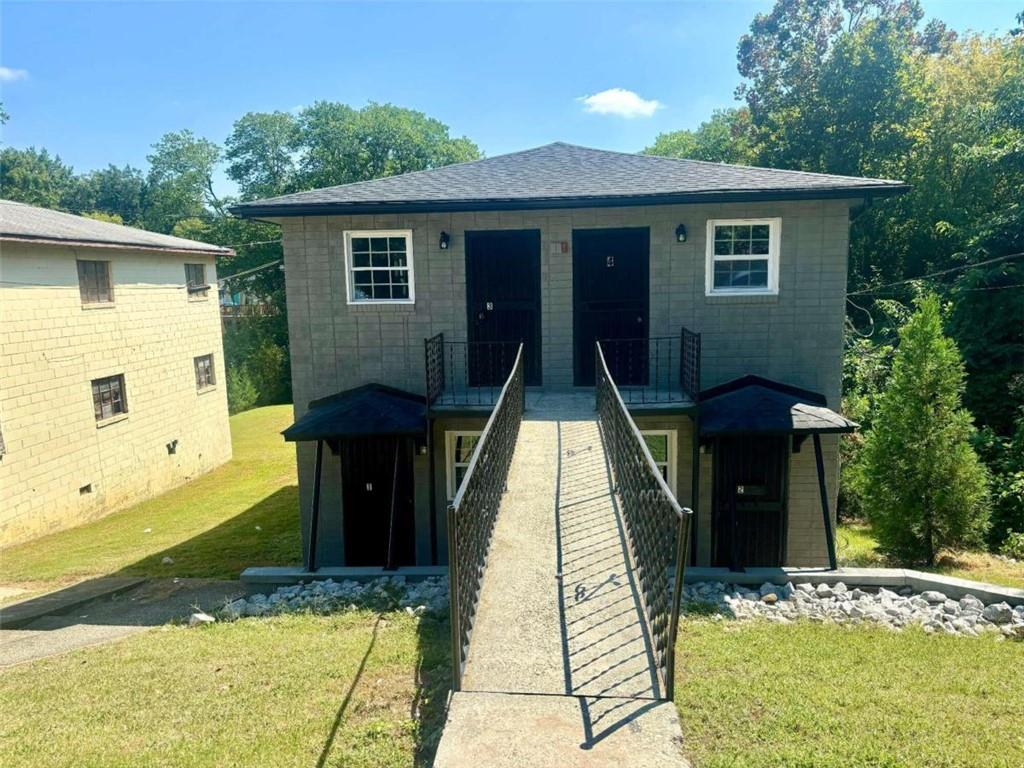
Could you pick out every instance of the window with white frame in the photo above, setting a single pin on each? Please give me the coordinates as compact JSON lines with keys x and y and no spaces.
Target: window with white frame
{"x":743,"y":256}
{"x":378,"y":266}
{"x":458,"y":450}
{"x":662,"y":445}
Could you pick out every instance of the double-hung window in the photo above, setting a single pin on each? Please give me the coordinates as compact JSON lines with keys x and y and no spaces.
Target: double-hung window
{"x":662,"y":445}
{"x":378,"y":266}
{"x":458,"y":451}
{"x":204,"y":372}
{"x":108,"y":397}
{"x":743,"y":256}
{"x":94,"y":283}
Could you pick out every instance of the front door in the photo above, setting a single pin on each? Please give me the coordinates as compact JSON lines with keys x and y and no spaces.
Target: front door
{"x":749,"y":501}
{"x":611,"y":292}
{"x":377,"y":494}
{"x":503,"y":304}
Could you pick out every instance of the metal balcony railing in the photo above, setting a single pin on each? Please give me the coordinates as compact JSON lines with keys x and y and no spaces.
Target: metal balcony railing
{"x":659,"y":369}
{"x":467,"y":373}
{"x":657,"y":527}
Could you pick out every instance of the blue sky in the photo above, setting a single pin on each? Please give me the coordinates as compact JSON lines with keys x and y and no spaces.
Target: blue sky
{"x":98,"y":83}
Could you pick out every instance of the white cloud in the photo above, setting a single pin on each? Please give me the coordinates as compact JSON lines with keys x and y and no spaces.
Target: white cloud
{"x":619,"y":101}
{"x":9,"y":75}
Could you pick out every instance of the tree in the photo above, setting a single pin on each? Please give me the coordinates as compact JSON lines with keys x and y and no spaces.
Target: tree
{"x":180,"y":180}
{"x":725,"y":138}
{"x":340,"y":145}
{"x":261,"y":154}
{"x":34,"y":176}
{"x":119,"y":192}
{"x":925,"y":487}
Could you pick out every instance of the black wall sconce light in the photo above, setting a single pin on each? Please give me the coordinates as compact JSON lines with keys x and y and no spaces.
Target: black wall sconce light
{"x":443,"y":243}
{"x":681,"y":234}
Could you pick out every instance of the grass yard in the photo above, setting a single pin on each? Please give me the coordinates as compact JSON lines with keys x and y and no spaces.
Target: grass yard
{"x":855,"y":545}
{"x":208,"y":526}
{"x":298,"y":691}
{"x":824,"y":696}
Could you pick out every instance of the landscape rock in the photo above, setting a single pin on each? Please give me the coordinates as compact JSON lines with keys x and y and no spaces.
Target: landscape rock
{"x":197,"y":619}
{"x":933,"y":596}
{"x":998,"y":613}
{"x":168,"y":561}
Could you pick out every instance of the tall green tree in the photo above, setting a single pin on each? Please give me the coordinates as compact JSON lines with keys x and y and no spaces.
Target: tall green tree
{"x":724,"y":138}
{"x":119,"y":192}
{"x":180,"y":180}
{"x":261,"y":153}
{"x":34,"y":176}
{"x":925,"y":488}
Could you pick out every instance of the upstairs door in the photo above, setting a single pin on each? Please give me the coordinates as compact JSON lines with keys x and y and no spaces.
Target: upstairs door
{"x":749,"y":501}
{"x":377,"y":494}
{"x":611,"y":295}
{"x":503,"y":305}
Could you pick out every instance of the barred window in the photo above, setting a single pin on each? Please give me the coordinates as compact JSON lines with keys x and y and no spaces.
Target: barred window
{"x":108,"y":397}
{"x":204,"y":372}
{"x":458,"y":450}
{"x":379,"y":266}
{"x":94,"y":283}
{"x":743,"y":256}
{"x":195,"y":279}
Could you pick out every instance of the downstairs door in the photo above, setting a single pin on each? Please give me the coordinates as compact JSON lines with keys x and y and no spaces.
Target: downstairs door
{"x":377,"y":494}
{"x":749,"y":479}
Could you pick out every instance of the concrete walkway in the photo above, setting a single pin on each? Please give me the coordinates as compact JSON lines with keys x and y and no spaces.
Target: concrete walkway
{"x":560,"y":670}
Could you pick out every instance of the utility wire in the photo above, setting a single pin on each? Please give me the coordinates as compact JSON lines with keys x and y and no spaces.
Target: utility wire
{"x":876,"y":289}
{"x":249,"y":271}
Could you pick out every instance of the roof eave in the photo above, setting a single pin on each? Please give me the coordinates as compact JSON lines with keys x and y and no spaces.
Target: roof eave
{"x":80,"y":243}
{"x":255,"y":210}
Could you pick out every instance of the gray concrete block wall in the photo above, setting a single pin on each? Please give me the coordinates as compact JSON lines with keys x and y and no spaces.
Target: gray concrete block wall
{"x":795,"y":337}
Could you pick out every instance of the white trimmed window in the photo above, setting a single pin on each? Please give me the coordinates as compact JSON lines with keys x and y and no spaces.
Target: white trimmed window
{"x":458,"y":451}
{"x":743,"y":256}
{"x":378,"y":266}
{"x":662,"y":445}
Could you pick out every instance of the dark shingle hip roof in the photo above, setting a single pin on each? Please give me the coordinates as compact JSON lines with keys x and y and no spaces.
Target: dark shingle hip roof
{"x":27,"y":223}
{"x":755,"y":405}
{"x":567,"y":176}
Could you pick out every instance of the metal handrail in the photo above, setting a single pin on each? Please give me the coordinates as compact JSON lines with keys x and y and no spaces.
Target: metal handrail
{"x":466,"y":373}
{"x":658,"y":527}
{"x":473,"y":511}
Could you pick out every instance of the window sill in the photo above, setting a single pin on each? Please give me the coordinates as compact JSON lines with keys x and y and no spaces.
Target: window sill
{"x":99,"y":305}
{"x":111,"y":420}
{"x":205,"y":390}
{"x":744,"y":297}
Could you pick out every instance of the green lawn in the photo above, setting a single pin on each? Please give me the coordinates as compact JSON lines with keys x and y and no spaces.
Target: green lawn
{"x":292,"y":691}
{"x":856,"y":545}
{"x":209,"y":526}
{"x":823,"y":695}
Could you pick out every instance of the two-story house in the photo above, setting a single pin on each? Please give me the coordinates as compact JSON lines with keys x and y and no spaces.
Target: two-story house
{"x":716,"y":292}
{"x":112,"y":383}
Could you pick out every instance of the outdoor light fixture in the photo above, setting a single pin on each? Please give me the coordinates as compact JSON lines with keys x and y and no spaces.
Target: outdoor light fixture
{"x":443,"y":245}
{"x":681,"y":234}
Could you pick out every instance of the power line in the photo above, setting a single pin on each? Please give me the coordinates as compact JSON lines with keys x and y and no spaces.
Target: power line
{"x":876,"y":289}
{"x":254,"y":242}
{"x":249,"y":271}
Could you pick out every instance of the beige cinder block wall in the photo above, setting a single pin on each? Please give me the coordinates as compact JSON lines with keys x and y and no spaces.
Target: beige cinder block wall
{"x":52,"y":346}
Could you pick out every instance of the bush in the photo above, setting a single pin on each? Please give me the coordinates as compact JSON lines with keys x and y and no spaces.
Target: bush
{"x":268,"y":367}
{"x":1005,"y":460}
{"x":242,"y":393}
{"x":924,"y":487}
{"x":1013,"y":546}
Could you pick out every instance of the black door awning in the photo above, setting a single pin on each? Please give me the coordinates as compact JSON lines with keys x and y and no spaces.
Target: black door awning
{"x":369,"y":410}
{"x":755,"y":405}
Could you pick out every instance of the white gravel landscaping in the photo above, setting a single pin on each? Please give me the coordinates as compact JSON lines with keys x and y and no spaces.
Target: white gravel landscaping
{"x":931,"y":609}
{"x":388,"y":593}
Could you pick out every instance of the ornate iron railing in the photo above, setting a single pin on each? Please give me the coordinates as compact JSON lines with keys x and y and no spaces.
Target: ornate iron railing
{"x":659,"y":369}
{"x":658,"y":527}
{"x":467,"y":373}
{"x":474,"y":509}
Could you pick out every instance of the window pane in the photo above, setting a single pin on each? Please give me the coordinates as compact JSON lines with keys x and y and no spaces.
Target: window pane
{"x":381,"y":276}
{"x":759,"y":231}
{"x":399,"y":276}
{"x":360,"y":244}
{"x":379,"y":244}
{"x":362,"y":277}
{"x":360,"y":259}
{"x":398,"y":259}
{"x":741,"y":274}
{"x":658,"y":446}
{"x":759,"y":246}
{"x":464,"y":445}
{"x":399,"y":292}
{"x":396,"y":243}
{"x":361,"y":293}
{"x":460,"y":472}
{"x":741,"y":247}
{"x":723,"y":247}
{"x":741,"y":232}
{"x":723,"y":232}
{"x":382,"y":291}
{"x":380,"y":260}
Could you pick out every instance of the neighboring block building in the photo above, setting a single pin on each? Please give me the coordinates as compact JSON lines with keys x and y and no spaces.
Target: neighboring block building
{"x":112,"y":385}
{"x":717,"y":293}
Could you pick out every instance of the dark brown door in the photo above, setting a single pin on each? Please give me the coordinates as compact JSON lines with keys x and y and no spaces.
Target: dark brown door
{"x":503,"y":305}
{"x":377,"y":493}
{"x":611,"y":293}
{"x":749,"y":500}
